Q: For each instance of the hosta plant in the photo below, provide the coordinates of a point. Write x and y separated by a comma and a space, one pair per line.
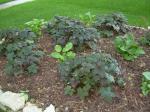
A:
146, 83
87, 18
64, 30
115, 23
85, 74
128, 47
36, 26
65, 53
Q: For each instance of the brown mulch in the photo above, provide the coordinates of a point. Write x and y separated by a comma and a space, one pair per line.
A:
46, 87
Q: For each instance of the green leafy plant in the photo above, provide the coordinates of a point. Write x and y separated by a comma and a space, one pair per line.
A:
87, 18
88, 73
64, 30
128, 47
14, 36
110, 24
65, 53
21, 52
146, 83
36, 26
146, 39
69, 90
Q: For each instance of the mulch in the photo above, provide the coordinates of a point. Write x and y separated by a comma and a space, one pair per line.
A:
47, 88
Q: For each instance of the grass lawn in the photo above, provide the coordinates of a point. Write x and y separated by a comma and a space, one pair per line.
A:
4, 1
137, 11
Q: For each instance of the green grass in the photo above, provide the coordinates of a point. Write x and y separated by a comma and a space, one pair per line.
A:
137, 11
4, 1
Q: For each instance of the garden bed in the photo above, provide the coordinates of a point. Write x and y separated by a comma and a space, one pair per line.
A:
46, 87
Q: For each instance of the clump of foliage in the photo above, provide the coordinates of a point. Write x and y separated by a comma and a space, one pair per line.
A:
128, 47
146, 83
13, 36
110, 24
65, 53
146, 39
20, 50
87, 18
85, 74
64, 30
36, 26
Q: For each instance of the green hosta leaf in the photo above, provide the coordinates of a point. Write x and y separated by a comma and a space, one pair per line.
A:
57, 55
140, 51
146, 83
70, 54
128, 57
68, 47
107, 93
147, 75
69, 90
58, 48
145, 89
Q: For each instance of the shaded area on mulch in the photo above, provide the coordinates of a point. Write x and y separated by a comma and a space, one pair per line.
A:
46, 87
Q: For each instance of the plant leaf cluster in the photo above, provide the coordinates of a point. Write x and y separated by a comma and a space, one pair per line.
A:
86, 73
145, 40
111, 24
21, 52
146, 83
65, 53
36, 26
64, 30
87, 18
128, 47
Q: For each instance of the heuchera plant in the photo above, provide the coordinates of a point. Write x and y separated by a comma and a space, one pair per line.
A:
64, 30
21, 51
111, 24
84, 74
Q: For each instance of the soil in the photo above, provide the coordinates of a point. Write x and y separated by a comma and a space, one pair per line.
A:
47, 88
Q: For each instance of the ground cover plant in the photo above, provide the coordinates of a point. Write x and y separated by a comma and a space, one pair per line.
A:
21, 52
146, 83
111, 24
128, 47
64, 29
145, 40
136, 11
89, 72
